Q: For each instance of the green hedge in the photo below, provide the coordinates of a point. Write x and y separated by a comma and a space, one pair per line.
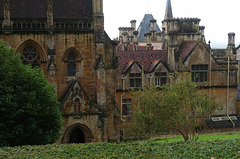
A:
195, 149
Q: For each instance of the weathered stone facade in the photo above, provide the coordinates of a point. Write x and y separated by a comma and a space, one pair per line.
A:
183, 43
67, 40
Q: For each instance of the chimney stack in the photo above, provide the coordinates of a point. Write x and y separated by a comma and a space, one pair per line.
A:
133, 24
231, 39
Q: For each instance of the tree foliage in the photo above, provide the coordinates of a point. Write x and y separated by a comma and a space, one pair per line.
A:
180, 106
29, 110
145, 115
183, 106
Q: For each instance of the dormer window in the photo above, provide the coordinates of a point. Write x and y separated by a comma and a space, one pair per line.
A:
135, 80
160, 79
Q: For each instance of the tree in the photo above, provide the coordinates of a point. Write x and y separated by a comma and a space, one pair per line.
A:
183, 106
145, 115
180, 106
29, 110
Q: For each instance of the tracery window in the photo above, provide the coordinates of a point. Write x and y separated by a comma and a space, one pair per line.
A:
71, 64
30, 56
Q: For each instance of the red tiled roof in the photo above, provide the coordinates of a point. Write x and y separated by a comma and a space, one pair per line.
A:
146, 58
185, 48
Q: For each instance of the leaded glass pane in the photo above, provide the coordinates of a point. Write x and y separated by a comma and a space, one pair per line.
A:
71, 69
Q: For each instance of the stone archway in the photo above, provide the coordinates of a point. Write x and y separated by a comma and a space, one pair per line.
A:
78, 133
77, 136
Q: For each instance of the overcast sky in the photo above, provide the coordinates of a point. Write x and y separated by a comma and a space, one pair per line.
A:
218, 16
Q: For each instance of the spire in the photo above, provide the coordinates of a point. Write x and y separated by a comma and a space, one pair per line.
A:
168, 12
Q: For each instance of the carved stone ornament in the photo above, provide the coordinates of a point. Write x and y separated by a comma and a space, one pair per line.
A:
52, 68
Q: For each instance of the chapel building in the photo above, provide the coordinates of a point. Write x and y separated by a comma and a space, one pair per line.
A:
66, 39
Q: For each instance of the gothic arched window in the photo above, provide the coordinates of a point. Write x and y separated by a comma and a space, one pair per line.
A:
30, 56
72, 59
71, 68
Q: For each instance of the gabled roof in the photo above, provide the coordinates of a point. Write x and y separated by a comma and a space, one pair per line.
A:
144, 26
185, 49
70, 89
155, 63
145, 58
62, 9
168, 12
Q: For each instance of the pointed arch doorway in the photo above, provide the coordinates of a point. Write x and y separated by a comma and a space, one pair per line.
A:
77, 136
78, 133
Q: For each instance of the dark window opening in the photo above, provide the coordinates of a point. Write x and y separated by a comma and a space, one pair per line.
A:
199, 73
33, 25
89, 25
24, 25
14, 25
38, 25
160, 79
28, 25
80, 25
19, 25
57, 25
62, 25
71, 25
75, 25
43, 25
0, 25
126, 104
66, 25
84, 25
135, 80
71, 64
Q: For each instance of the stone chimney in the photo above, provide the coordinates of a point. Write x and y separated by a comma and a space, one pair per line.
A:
231, 50
125, 40
135, 40
201, 30
231, 40
153, 25
148, 37
133, 24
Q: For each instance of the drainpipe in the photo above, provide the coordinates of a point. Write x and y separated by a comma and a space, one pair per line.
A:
123, 81
210, 74
143, 82
228, 80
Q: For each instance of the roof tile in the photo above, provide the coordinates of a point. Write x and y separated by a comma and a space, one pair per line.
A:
145, 58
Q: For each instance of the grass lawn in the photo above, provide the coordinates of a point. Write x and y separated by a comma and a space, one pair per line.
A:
204, 137
209, 146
